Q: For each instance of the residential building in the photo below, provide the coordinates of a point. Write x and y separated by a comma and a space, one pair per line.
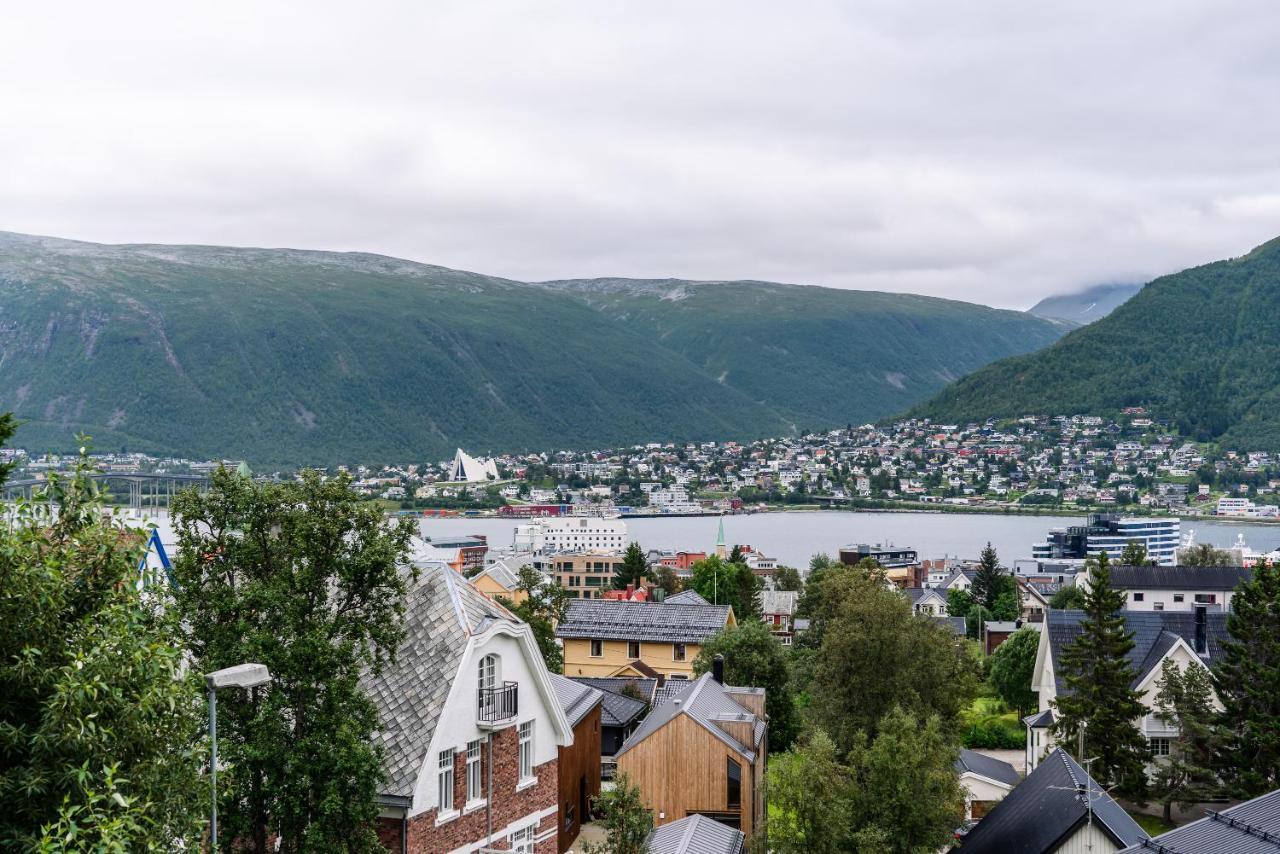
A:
625, 702
985, 780
1189, 639
471, 727
579, 763
696, 834
1252, 827
889, 557
502, 578
1058, 808
1177, 588
604, 638
673, 500
465, 554
585, 574
1110, 533
777, 610
703, 751
927, 601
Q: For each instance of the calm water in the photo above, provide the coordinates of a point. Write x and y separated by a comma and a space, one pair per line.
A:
793, 537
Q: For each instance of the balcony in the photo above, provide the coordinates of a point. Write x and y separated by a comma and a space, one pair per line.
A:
498, 707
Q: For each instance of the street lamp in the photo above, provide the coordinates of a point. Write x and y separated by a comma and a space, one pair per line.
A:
240, 676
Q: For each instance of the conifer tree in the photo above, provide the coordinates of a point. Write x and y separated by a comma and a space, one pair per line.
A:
634, 568
1097, 696
987, 586
1186, 775
1248, 682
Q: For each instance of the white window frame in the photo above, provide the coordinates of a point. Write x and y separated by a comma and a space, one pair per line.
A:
522, 840
524, 734
444, 782
475, 769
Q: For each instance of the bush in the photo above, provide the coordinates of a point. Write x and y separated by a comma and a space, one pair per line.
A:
992, 736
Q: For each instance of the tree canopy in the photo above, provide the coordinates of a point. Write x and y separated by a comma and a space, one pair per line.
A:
542, 605
723, 582
753, 657
1011, 669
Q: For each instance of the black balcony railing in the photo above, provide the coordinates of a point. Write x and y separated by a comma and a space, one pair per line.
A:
499, 704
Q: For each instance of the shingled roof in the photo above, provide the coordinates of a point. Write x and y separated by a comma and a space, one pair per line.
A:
1045, 809
1154, 634
1178, 577
618, 709
1252, 827
695, 834
664, 622
576, 698
687, 597
704, 700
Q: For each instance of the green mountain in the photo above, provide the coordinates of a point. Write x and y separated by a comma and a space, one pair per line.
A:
286, 356
1198, 347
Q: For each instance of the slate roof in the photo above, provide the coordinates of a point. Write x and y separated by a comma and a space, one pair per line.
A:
987, 766
1252, 827
616, 708
1046, 808
1178, 577
956, 624
641, 621
704, 700
505, 571
441, 612
915, 594
1154, 633
687, 597
778, 601
695, 834
575, 698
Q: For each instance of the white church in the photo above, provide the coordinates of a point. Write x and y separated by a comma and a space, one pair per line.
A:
468, 469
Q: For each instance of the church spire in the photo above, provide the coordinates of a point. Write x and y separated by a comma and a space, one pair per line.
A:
721, 550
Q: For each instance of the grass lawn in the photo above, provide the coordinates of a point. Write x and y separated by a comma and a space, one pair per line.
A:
988, 723
1154, 825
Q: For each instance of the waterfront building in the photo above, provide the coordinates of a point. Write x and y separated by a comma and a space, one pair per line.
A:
1178, 588
585, 575
1110, 533
890, 557
571, 534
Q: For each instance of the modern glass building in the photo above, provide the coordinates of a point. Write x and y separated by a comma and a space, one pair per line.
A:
1110, 533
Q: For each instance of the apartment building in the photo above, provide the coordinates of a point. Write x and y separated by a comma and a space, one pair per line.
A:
585, 575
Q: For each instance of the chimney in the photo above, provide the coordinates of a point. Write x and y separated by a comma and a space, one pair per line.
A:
717, 668
631, 589
1202, 630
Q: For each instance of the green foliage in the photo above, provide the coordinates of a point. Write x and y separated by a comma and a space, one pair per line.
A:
986, 585
810, 794
666, 578
634, 568
626, 820
1204, 554
788, 578
959, 602
319, 358
1135, 554
542, 607
1097, 677
1011, 667
101, 725
723, 583
307, 579
7, 426
1185, 699
1217, 376
1248, 682
753, 657
1067, 598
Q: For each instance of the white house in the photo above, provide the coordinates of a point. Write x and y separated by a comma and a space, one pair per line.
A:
985, 781
1177, 588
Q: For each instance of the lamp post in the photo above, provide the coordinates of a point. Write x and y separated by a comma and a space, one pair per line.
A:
240, 676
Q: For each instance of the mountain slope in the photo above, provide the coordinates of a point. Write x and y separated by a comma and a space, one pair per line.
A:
1084, 306
287, 356
1198, 347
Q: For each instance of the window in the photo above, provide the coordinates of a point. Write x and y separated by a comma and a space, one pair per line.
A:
1158, 746
678, 676
489, 672
1138, 597
522, 840
526, 750
735, 785
475, 782
1157, 606
445, 778
677, 652
633, 650
597, 649
1178, 597
1206, 598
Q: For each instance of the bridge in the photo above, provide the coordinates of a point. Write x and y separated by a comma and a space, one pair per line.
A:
155, 487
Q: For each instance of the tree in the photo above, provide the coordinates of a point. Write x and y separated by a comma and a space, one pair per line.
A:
810, 799
542, 606
959, 602
1248, 682
1135, 554
101, 722
665, 577
1204, 554
1008, 605
1097, 694
876, 655
1185, 700
725, 583
626, 820
787, 578
1069, 597
633, 570
307, 579
986, 587
7, 426
1011, 667
753, 657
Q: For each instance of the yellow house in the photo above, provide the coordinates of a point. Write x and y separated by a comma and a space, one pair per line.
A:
603, 637
500, 579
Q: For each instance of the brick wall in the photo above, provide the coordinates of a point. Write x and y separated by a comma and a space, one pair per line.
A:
506, 803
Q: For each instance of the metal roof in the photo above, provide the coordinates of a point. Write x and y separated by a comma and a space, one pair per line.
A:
665, 622
617, 709
1178, 577
575, 698
704, 700
687, 597
695, 834
987, 766
1252, 827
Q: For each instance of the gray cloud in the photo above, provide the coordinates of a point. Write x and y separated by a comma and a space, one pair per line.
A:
993, 152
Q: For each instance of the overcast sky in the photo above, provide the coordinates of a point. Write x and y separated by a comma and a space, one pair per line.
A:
993, 152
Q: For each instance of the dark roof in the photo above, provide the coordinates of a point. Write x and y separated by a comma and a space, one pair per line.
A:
1252, 827
575, 698
987, 766
915, 594
695, 834
1045, 809
1178, 577
1154, 633
617, 709
642, 621
956, 624
687, 597
705, 701
1039, 719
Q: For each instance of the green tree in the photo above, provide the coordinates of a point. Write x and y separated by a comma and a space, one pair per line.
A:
753, 657
542, 606
787, 578
986, 587
1204, 554
101, 723
810, 799
725, 583
876, 655
1011, 666
1008, 605
1248, 683
1097, 678
1069, 597
1135, 554
959, 602
7, 426
665, 577
1186, 776
626, 820
634, 568
307, 579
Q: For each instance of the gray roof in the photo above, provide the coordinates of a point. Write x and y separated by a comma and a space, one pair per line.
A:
1178, 577
695, 834
1154, 633
956, 624
778, 601
441, 612
687, 597
987, 766
617, 709
704, 700
665, 622
506, 571
1047, 808
1252, 827
575, 698
915, 594
1040, 719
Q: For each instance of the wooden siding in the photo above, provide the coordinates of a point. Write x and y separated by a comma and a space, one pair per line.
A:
578, 660
578, 762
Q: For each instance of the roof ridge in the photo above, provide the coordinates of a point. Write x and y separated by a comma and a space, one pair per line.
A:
687, 838
455, 596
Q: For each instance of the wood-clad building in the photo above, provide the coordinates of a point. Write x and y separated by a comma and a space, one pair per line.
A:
579, 766
702, 752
